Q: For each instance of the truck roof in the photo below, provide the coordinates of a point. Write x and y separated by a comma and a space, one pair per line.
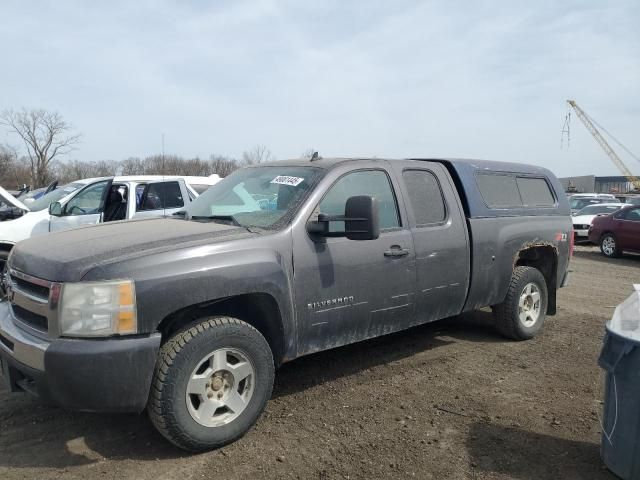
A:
464, 172
459, 164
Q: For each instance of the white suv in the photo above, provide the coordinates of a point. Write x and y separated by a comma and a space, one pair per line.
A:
95, 200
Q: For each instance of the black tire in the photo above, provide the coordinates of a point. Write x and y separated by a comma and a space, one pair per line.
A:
507, 314
178, 358
609, 245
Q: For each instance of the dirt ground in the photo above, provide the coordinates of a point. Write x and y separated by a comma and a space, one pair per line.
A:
449, 400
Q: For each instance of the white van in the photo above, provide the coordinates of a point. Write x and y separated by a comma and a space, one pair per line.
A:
95, 200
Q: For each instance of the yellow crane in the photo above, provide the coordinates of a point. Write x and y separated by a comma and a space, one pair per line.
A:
584, 118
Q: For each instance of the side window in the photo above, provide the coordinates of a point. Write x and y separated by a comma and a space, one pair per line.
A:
535, 192
161, 195
425, 197
504, 191
499, 191
366, 182
633, 215
88, 201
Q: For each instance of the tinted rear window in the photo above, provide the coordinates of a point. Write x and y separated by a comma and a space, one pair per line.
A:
499, 191
162, 195
505, 191
535, 192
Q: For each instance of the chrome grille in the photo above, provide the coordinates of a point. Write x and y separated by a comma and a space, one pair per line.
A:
29, 299
39, 322
29, 287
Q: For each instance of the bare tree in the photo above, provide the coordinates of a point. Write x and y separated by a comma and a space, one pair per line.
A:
73, 170
46, 135
104, 168
257, 154
223, 166
14, 171
132, 166
176, 165
78, 169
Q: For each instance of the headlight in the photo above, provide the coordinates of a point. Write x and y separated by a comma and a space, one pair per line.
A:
98, 309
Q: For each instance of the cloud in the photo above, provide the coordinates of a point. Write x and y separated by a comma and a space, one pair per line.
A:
487, 79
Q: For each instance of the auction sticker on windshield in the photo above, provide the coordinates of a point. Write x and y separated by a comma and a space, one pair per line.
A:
287, 180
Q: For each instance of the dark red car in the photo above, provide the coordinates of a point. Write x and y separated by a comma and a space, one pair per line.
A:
617, 232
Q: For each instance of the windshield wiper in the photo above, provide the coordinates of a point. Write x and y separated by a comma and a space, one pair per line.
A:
228, 218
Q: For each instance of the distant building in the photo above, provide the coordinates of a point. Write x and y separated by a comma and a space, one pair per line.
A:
593, 184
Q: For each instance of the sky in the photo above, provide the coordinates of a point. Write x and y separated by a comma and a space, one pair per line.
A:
483, 79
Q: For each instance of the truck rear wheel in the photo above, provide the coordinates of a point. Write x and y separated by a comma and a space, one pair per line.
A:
523, 311
211, 383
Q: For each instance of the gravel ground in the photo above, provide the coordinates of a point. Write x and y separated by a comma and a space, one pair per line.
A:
447, 400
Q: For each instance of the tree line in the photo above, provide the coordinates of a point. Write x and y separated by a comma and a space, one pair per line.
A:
45, 138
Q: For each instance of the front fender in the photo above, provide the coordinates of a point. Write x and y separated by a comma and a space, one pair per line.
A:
171, 281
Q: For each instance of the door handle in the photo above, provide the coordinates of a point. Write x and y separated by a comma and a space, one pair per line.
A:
396, 251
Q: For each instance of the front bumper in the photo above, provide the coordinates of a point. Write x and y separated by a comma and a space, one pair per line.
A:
100, 375
582, 234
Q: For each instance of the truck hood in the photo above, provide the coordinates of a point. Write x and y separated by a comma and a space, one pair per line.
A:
68, 256
11, 200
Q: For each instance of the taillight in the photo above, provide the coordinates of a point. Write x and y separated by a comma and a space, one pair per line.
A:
572, 239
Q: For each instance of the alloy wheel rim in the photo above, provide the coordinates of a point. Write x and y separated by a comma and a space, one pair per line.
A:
529, 305
608, 245
220, 387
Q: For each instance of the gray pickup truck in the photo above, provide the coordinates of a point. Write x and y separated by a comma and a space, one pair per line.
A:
189, 316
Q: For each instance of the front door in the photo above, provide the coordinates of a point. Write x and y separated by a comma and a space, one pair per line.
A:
350, 290
85, 208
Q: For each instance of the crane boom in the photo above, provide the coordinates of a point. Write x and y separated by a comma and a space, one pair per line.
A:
584, 118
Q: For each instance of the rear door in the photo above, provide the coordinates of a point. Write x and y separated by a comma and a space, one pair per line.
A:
440, 237
161, 198
84, 208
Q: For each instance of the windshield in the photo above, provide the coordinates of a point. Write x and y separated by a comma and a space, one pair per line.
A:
596, 209
4, 205
54, 196
579, 203
264, 197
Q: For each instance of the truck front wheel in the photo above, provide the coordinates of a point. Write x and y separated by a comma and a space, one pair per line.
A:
211, 383
523, 311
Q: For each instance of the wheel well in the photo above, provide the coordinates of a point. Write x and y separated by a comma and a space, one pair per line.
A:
259, 310
545, 259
